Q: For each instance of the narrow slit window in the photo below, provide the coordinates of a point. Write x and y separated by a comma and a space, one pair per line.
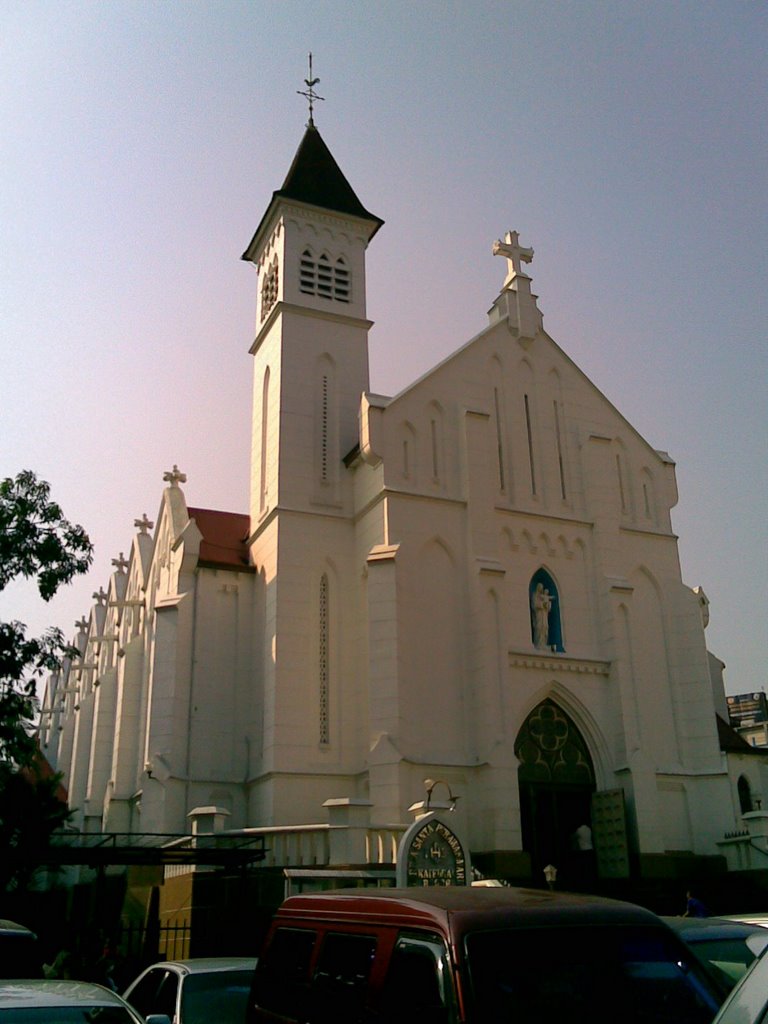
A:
264, 441
323, 661
530, 444
559, 442
622, 492
499, 443
435, 467
324, 432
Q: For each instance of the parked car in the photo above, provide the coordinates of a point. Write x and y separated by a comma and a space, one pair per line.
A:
19, 952
748, 1002
62, 1002
197, 991
761, 919
448, 954
721, 944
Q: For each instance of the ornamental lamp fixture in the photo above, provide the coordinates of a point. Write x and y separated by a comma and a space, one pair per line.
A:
430, 784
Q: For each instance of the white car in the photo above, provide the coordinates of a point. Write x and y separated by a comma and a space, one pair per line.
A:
195, 991
62, 1002
748, 1003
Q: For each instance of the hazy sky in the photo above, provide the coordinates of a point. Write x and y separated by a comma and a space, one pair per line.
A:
141, 142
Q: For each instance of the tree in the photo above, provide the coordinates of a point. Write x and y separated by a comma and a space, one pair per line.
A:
35, 541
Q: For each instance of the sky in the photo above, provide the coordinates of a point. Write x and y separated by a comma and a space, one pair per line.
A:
141, 142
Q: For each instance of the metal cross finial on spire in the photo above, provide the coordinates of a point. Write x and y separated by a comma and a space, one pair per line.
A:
100, 596
82, 625
310, 93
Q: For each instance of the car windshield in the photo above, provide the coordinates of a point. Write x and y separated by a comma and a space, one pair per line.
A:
219, 996
586, 975
66, 1015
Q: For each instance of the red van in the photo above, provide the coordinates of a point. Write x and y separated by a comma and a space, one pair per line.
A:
455, 954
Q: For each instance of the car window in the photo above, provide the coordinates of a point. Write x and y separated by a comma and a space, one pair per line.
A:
340, 982
417, 984
585, 975
155, 992
219, 996
281, 982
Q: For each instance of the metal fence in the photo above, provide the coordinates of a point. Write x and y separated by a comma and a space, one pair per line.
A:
139, 943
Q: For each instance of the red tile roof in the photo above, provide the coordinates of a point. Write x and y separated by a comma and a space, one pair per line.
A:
225, 535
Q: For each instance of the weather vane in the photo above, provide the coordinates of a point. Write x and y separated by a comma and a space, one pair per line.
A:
310, 93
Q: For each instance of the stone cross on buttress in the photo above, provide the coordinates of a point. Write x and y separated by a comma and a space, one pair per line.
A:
100, 596
174, 477
515, 253
120, 563
82, 625
143, 525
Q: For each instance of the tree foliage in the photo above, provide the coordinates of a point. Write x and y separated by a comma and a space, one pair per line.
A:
35, 541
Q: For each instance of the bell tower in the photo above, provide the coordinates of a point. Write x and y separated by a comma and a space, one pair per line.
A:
310, 359
311, 341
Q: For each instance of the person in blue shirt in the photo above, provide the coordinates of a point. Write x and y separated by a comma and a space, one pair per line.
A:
694, 907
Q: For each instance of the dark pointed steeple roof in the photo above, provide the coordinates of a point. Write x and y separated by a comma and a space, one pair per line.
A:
315, 178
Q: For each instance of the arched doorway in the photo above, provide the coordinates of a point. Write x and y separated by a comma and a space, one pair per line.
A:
556, 780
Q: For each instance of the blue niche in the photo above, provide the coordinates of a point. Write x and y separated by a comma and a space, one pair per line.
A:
544, 603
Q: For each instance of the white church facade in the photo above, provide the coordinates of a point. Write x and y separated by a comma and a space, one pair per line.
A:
474, 582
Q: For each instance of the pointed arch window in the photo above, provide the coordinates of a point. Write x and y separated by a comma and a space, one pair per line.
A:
745, 795
551, 749
546, 613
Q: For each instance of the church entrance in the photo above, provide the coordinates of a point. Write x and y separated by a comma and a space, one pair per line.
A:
556, 780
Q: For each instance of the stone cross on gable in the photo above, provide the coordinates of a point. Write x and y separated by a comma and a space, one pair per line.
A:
174, 476
515, 253
120, 563
82, 625
143, 525
100, 596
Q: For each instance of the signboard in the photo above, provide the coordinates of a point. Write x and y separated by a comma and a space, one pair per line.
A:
430, 853
747, 708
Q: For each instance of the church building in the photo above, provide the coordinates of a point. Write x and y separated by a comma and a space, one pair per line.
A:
472, 587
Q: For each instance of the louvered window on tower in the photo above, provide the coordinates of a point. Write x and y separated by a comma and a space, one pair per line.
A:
341, 281
307, 273
269, 289
323, 278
